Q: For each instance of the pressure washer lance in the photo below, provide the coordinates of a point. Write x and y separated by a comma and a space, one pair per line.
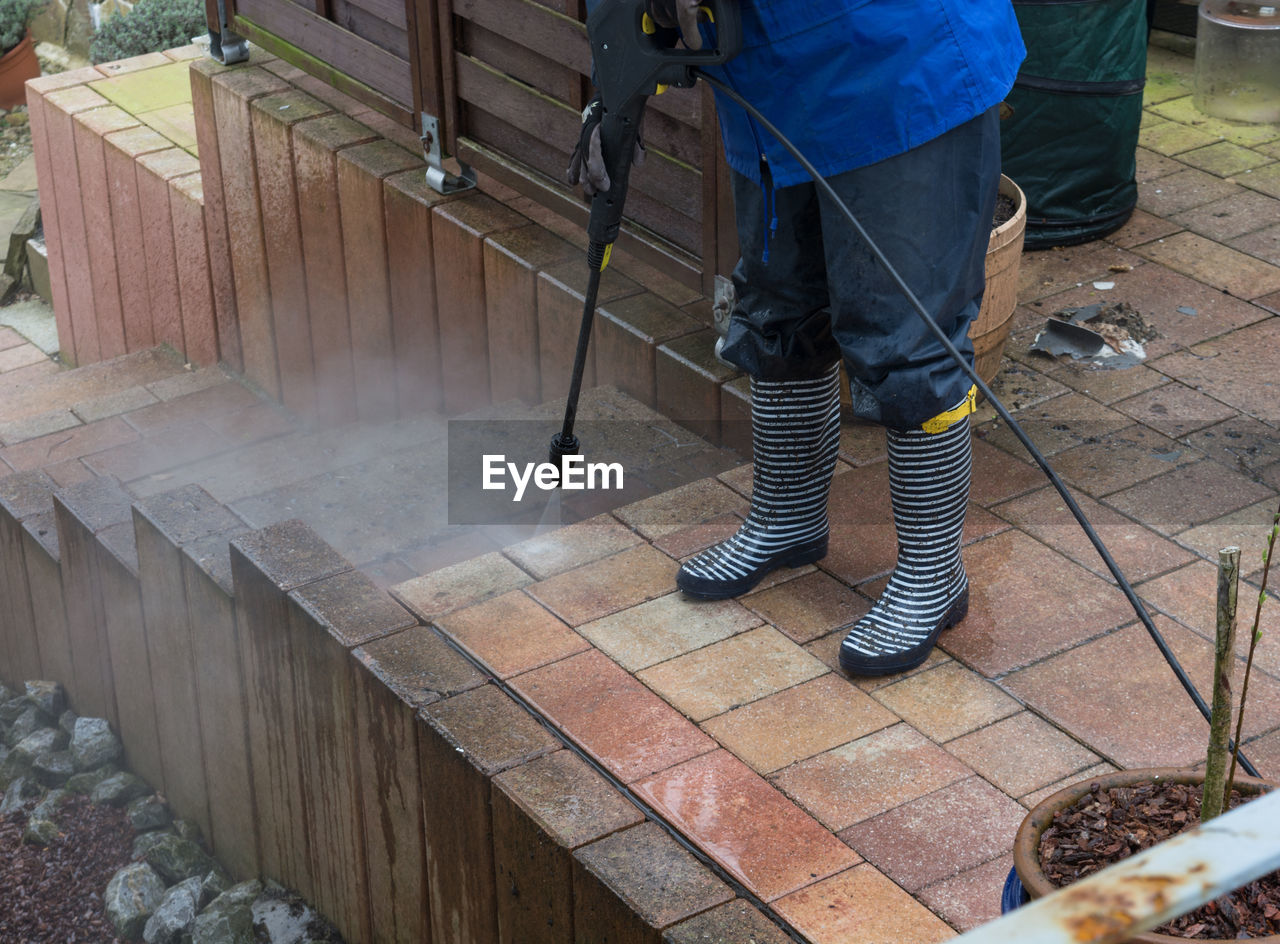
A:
632, 62
627, 65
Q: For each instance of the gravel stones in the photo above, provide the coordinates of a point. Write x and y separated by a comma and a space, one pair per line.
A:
54, 768
49, 697
133, 895
42, 827
59, 852
93, 744
175, 915
30, 720
86, 782
142, 844
18, 793
119, 789
40, 741
40, 832
283, 917
11, 707
187, 830
214, 884
47, 808
11, 768
149, 812
229, 917
176, 859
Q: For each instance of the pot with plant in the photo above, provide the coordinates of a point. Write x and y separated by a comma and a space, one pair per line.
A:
18, 60
1096, 822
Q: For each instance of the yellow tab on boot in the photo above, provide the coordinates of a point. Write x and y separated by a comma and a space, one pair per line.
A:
944, 421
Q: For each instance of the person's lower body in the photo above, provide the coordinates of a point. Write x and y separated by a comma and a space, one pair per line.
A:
810, 292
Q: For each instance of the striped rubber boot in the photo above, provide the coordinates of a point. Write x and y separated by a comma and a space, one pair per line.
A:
795, 434
928, 591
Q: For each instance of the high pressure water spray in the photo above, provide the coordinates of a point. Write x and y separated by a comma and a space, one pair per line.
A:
631, 61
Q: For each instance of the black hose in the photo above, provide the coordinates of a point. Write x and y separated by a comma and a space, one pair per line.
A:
959, 358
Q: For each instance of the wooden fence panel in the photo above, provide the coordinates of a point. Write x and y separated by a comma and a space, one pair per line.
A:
520, 78
507, 79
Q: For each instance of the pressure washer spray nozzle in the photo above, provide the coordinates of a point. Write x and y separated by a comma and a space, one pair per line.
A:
562, 446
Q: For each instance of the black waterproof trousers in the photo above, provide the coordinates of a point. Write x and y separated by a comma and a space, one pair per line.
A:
810, 292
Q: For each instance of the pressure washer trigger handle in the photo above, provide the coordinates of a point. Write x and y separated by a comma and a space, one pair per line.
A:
630, 55
618, 133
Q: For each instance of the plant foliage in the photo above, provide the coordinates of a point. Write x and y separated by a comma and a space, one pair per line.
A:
152, 26
14, 17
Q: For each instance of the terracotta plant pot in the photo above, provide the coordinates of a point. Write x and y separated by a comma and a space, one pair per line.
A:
17, 65
990, 330
1026, 845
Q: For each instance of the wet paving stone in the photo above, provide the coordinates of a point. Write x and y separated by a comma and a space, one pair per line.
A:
798, 723
452, 588
868, 776
1139, 552
861, 904
733, 672
1207, 491
607, 586
1118, 696
1041, 753
1030, 603
946, 702
669, 626
612, 716
511, 634
939, 835
757, 834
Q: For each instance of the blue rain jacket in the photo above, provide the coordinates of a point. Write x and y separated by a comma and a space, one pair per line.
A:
852, 82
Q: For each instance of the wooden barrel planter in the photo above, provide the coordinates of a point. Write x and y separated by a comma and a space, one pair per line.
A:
990, 330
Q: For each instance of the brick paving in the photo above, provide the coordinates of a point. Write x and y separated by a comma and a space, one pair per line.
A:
870, 810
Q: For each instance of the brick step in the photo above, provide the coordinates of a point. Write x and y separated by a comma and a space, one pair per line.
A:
377, 492
32, 385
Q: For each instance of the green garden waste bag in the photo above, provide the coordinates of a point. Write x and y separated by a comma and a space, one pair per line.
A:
1070, 143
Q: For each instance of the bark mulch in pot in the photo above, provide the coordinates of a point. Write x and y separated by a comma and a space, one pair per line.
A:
1108, 825
53, 894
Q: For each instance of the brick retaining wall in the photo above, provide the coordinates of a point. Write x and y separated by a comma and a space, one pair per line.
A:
323, 737
303, 248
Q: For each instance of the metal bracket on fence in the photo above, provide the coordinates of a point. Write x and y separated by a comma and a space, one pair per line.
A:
226, 46
1148, 889
441, 180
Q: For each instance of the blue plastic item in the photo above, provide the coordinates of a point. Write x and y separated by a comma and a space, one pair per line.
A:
1014, 895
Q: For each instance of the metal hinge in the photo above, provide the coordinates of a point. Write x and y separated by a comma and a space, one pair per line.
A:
225, 45
441, 180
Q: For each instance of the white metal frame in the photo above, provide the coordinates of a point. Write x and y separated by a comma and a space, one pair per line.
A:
1150, 888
